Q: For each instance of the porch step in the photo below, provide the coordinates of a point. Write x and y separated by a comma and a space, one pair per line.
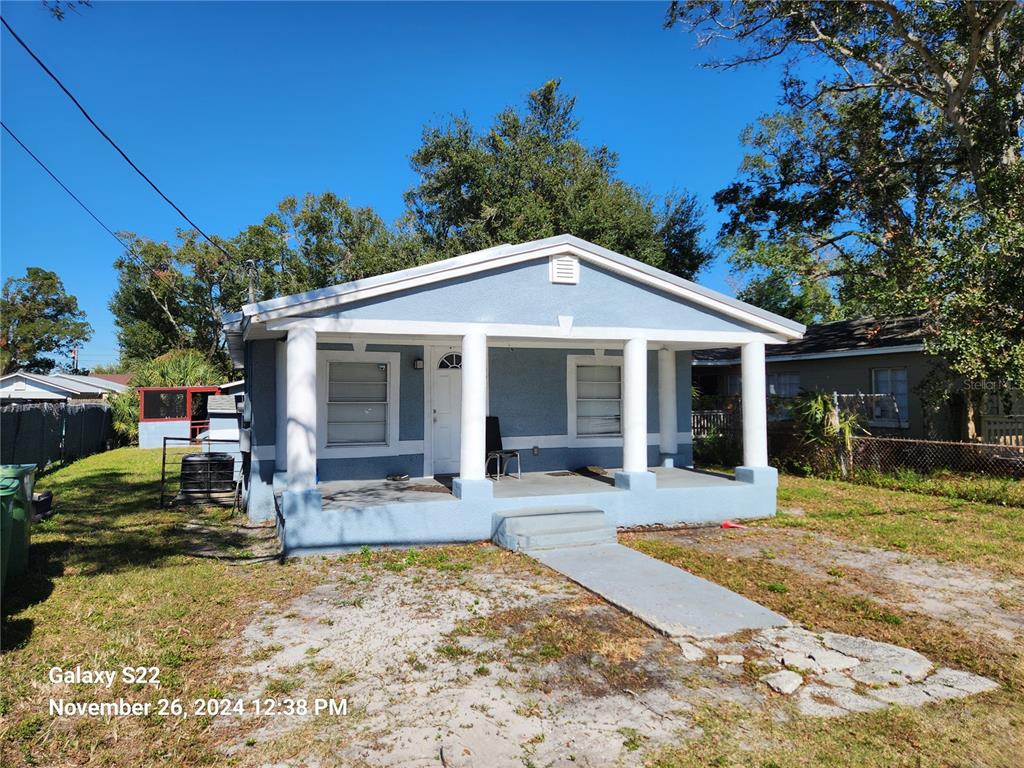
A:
539, 528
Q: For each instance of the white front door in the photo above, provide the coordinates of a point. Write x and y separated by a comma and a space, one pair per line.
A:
446, 393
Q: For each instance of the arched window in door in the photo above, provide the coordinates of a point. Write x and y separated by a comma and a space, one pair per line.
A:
451, 360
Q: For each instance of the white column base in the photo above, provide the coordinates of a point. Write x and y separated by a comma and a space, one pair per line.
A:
636, 481
472, 490
768, 476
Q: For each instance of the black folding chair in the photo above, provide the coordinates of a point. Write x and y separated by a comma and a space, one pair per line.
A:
497, 453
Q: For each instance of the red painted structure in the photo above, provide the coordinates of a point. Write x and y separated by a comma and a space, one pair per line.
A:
177, 404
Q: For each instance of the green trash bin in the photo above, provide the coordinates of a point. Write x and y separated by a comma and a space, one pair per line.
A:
8, 489
21, 515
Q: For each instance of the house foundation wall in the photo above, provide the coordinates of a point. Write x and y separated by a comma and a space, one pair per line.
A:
308, 530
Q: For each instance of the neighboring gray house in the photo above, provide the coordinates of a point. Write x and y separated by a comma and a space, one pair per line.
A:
584, 355
880, 361
24, 387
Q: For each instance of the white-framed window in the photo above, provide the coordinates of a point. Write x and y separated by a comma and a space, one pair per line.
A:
594, 397
783, 384
359, 402
894, 409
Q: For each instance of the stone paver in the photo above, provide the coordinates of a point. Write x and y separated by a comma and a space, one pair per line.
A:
904, 695
783, 681
837, 680
730, 658
690, 651
964, 681
834, 664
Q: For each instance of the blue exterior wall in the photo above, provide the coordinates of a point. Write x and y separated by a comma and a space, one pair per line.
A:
527, 393
259, 417
524, 294
152, 433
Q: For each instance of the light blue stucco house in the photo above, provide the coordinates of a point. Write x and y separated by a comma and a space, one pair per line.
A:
583, 354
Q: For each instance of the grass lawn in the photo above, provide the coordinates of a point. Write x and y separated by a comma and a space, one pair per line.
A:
950, 528
116, 581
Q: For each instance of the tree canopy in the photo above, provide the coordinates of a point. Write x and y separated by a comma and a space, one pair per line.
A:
39, 321
526, 177
892, 173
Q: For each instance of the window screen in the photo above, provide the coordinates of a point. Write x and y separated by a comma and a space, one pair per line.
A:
357, 403
598, 400
164, 404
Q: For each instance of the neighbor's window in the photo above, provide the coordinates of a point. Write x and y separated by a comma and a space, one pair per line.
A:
783, 384
893, 382
598, 400
357, 403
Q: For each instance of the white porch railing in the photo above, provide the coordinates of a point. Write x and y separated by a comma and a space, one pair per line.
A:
1003, 430
706, 423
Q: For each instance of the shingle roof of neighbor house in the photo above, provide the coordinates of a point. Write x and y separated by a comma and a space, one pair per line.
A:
117, 378
866, 335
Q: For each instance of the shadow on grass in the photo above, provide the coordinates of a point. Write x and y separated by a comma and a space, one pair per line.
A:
46, 563
108, 522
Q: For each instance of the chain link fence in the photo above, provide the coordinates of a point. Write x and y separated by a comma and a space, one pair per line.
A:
887, 454
722, 445
46, 433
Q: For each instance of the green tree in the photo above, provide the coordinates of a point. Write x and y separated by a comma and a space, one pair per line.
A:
893, 177
38, 320
806, 303
176, 296
167, 297
528, 176
175, 368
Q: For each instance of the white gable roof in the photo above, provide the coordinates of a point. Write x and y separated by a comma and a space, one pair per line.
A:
505, 255
23, 385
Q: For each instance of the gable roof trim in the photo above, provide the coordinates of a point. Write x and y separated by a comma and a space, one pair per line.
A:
782, 358
507, 255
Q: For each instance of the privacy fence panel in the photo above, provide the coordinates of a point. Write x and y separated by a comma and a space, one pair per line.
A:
45, 433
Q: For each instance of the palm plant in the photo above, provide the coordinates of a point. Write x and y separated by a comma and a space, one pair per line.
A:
825, 432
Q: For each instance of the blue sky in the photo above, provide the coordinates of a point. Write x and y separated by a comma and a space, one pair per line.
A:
229, 107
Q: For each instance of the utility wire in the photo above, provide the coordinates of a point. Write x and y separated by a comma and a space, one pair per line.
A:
64, 186
112, 143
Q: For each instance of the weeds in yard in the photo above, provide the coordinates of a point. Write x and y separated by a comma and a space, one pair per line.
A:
1002, 491
983, 535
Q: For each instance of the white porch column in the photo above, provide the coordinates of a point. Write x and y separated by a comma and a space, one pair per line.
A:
634, 406
301, 404
755, 407
473, 457
668, 427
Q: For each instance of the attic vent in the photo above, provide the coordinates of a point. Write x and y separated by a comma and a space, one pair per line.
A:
565, 269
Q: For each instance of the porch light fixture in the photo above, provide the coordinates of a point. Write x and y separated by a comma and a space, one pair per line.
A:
418, 363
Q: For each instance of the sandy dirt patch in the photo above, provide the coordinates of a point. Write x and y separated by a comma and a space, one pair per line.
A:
508, 663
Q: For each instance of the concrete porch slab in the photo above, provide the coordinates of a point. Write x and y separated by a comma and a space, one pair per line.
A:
665, 597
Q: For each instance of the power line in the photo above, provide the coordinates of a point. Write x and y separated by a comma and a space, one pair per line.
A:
112, 143
64, 186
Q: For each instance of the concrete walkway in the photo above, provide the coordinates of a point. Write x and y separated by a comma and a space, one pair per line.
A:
665, 597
